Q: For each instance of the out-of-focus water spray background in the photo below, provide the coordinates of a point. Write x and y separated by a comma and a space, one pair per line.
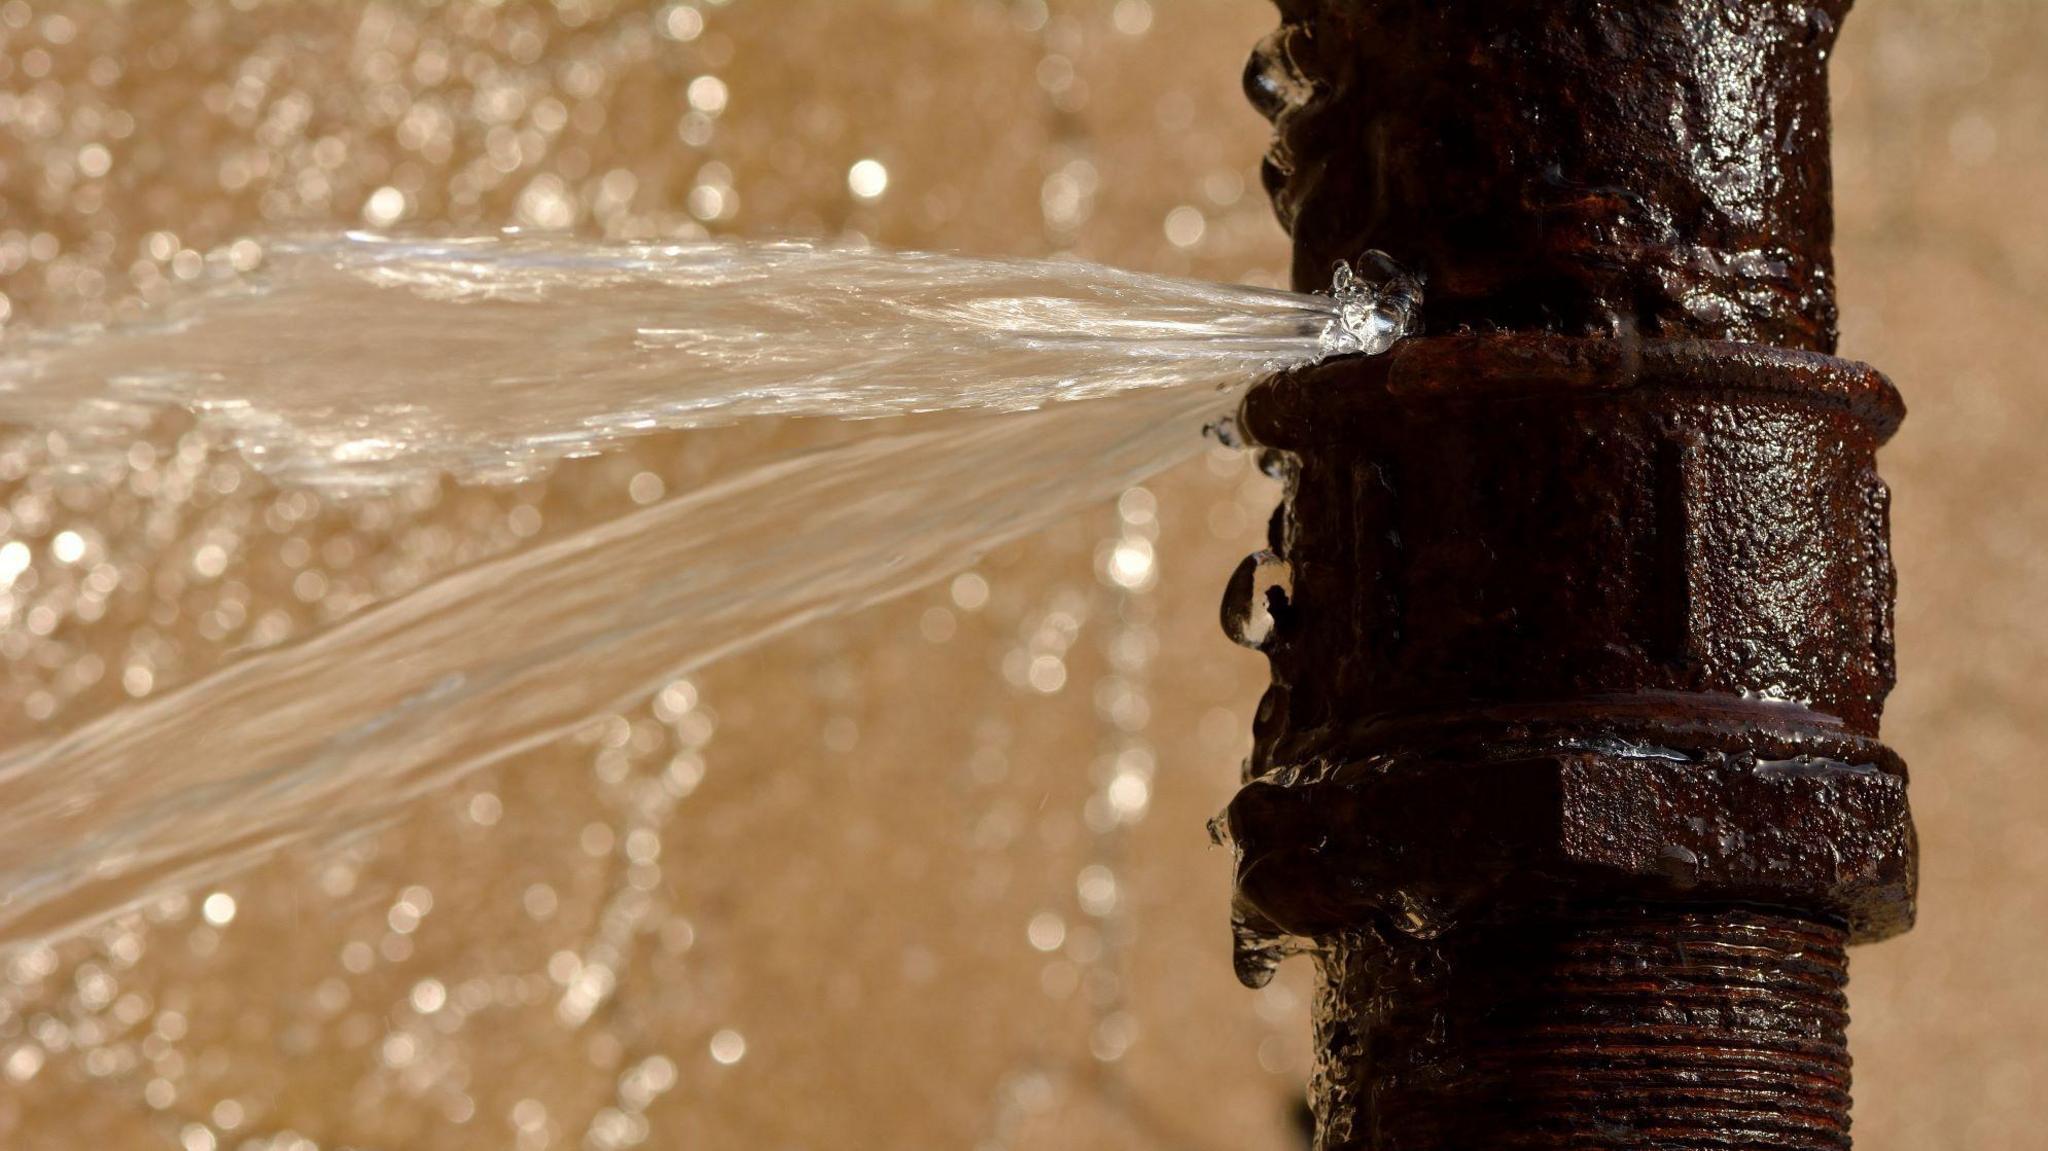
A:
935, 874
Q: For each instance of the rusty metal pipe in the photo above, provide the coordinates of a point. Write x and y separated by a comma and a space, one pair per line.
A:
1570, 766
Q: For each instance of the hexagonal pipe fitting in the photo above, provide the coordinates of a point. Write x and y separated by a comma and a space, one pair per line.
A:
1573, 625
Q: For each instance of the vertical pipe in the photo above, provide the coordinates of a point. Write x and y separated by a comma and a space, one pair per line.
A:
1570, 767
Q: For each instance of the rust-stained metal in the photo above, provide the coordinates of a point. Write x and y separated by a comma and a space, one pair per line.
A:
1581, 166
1570, 765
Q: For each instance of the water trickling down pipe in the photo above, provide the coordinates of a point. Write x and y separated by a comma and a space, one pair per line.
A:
1570, 765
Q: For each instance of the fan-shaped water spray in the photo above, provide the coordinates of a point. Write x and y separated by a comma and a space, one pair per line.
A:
359, 363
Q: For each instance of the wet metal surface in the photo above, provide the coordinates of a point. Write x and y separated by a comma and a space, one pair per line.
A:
1589, 167
1570, 765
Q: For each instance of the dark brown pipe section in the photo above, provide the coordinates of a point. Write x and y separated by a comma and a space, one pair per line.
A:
1570, 767
1639, 1027
1589, 167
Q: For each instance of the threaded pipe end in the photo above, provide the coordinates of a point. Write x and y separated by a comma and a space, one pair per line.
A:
1628, 1027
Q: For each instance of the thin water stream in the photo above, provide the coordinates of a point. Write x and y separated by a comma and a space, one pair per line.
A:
358, 363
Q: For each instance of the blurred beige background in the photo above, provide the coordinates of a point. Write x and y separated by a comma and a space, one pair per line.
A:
888, 882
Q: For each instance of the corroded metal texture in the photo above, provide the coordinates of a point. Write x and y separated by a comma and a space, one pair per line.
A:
1671, 178
1582, 623
1541, 518
1623, 1027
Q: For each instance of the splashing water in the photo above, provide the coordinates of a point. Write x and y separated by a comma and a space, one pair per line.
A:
364, 361
357, 363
